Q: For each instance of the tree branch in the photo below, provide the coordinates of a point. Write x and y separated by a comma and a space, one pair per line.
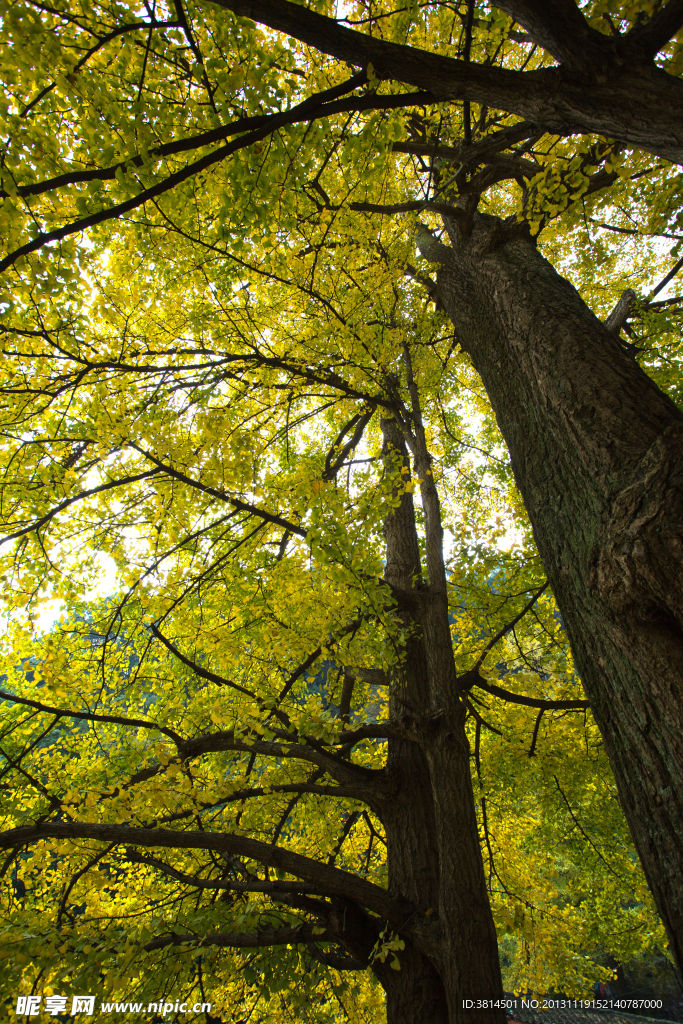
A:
202, 164
559, 27
584, 833
476, 153
253, 885
296, 115
332, 462
448, 78
287, 935
38, 523
412, 205
506, 629
672, 273
242, 506
203, 673
337, 963
617, 318
518, 698
545, 96
102, 41
396, 909
89, 716
656, 33
379, 730
336, 792
348, 825
362, 781
305, 665
76, 878
534, 738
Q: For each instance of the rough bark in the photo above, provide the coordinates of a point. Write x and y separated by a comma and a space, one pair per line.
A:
433, 851
596, 449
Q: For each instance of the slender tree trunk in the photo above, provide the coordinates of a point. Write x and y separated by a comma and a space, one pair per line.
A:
597, 453
433, 849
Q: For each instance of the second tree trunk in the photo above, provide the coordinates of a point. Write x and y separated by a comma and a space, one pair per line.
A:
597, 453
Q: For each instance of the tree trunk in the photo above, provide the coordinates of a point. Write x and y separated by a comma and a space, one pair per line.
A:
433, 849
596, 449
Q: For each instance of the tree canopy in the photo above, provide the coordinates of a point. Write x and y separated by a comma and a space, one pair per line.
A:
219, 337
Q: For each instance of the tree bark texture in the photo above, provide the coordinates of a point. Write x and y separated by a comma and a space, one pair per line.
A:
597, 453
433, 850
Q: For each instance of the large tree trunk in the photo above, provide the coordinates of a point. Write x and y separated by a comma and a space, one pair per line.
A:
434, 857
596, 449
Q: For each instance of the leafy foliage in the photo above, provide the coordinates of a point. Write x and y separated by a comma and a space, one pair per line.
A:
193, 380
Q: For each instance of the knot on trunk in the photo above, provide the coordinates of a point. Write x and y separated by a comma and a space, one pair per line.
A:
423, 729
644, 537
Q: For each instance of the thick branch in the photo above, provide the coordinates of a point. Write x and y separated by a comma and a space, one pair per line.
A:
448, 78
558, 26
373, 730
480, 151
408, 207
287, 935
362, 780
397, 910
656, 33
252, 885
356, 782
474, 679
617, 318
338, 963
640, 106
